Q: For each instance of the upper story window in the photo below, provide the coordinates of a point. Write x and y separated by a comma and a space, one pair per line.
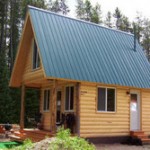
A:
46, 100
36, 58
69, 100
106, 99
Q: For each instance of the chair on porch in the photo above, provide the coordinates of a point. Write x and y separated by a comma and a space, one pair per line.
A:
39, 120
70, 121
2, 131
62, 122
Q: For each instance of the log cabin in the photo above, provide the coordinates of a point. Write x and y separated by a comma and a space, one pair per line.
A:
99, 75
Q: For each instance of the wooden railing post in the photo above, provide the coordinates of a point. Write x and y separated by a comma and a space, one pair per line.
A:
22, 107
53, 111
78, 109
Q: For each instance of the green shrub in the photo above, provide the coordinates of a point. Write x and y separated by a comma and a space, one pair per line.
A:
65, 142
26, 144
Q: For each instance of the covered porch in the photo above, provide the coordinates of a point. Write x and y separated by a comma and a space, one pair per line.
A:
59, 107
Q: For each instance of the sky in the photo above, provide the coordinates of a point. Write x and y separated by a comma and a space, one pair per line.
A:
128, 7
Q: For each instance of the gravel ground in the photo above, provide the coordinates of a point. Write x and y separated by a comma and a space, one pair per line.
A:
121, 147
43, 145
3, 138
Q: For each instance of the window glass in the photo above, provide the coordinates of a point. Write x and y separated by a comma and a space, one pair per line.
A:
36, 58
110, 99
101, 98
69, 98
46, 100
106, 99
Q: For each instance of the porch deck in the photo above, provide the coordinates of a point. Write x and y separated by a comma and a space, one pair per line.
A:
34, 134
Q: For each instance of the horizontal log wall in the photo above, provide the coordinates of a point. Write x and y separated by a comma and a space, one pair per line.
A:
60, 87
94, 124
146, 112
30, 74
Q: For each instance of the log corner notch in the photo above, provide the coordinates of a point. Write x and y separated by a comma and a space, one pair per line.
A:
53, 108
22, 112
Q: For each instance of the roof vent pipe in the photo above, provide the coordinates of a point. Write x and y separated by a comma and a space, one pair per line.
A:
134, 28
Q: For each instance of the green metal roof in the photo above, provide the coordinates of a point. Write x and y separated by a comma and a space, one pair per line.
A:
83, 51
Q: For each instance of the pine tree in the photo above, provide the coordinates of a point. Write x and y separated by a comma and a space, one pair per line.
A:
87, 8
146, 37
86, 11
63, 7
59, 6
36, 3
108, 21
5, 99
14, 29
80, 11
96, 14
55, 6
125, 24
118, 16
138, 23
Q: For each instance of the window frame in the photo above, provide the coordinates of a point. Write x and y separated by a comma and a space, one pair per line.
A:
47, 108
115, 100
37, 64
69, 110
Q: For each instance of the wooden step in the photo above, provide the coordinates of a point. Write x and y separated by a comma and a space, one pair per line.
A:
20, 134
16, 138
141, 136
34, 135
135, 133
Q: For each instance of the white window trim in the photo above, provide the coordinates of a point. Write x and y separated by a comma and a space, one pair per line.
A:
47, 110
102, 111
70, 110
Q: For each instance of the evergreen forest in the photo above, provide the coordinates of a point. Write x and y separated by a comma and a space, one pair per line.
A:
12, 16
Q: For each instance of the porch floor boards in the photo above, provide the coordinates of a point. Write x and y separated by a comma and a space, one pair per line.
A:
34, 134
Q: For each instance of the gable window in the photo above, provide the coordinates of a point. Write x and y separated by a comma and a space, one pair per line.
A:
46, 100
106, 99
69, 100
36, 58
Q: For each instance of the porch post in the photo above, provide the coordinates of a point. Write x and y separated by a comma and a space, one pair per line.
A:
22, 107
78, 109
53, 111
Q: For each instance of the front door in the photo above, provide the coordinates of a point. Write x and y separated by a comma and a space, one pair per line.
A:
134, 111
58, 105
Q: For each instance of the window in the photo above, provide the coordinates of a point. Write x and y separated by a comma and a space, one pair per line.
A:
46, 100
106, 99
69, 98
36, 58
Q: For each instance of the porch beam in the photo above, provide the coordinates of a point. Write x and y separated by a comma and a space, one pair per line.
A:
78, 109
22, 112
53, 108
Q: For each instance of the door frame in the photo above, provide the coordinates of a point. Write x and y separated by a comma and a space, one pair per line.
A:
139, 107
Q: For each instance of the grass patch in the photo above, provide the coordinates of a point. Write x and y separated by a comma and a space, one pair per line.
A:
8, 145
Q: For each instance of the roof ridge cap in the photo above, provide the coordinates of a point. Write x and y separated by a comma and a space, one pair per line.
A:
91, 23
